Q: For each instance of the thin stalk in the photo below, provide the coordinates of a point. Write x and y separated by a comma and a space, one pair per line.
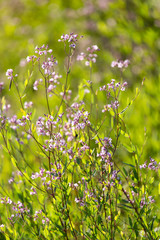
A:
66, 82
46, 93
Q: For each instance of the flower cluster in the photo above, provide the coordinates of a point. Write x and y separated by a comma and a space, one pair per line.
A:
80, 119
120, 64
112, 105
19, 210
113, 88
105, 154
36, 83
153, 165
66, 95
45, 124
10, 77
47, 178
113, 85
28, 104
6, 107
90, 56
145, 201
84, 192
53, 81
9, 74
47, 64
14, 174
39, 51
38, 215
69, 38
15, 123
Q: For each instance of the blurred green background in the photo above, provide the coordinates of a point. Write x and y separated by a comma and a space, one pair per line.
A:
123, 29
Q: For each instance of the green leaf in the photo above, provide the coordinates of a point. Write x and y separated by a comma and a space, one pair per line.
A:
81, 91
2, 236
128, 164
111, 112
124, 134
92, 98
78, 160
123, 206
135, 173
99, 219
124, 110
159, 188
14, 161
130, 221
137, 91
6, 150
154, 217
26, 82
125, 171
112, 122
128, 148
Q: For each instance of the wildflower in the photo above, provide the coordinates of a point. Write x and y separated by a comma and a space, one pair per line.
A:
114, 64
81, 57
143, 165
10, 180
9, 201
28, 59
6, 107
90, 56
95, 47
107, 108
36, 83
153, 165
120, 63
69, 38
43, 221
9, 74
33, 192
77, 200
47, 220
28, 105
123, 86
87, 63
50, 88
115, 104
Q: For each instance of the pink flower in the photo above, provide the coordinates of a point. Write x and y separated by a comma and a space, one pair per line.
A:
120, 63
50, 88
9, 72
114, 64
